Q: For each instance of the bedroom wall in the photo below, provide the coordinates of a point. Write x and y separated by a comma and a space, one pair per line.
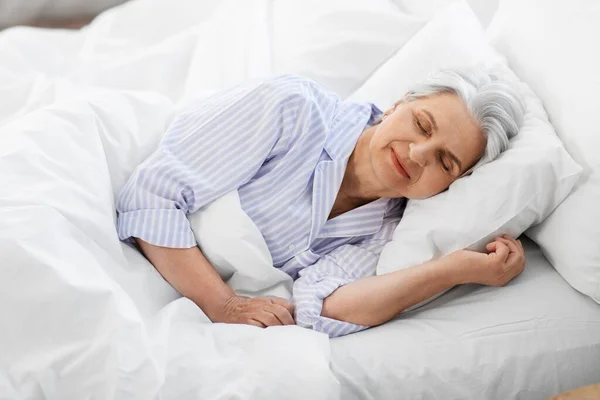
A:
15, 12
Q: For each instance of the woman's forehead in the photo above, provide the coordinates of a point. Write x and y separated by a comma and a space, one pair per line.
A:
448, 105
456, 127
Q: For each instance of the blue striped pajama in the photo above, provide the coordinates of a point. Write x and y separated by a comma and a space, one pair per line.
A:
283, 143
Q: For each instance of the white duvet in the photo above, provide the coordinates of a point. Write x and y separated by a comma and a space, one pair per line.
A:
85, 316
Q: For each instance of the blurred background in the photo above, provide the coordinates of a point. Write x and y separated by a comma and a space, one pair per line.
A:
73, 14
52, 13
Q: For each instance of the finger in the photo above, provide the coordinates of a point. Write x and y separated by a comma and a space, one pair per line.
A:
508, 237
513, 240
255, 322
260, 302
518, 243
502, 251
283, 302
270, 300
282, 314
491, 247
277, 300
521, 246
511, 243
514, 251
267, 318
522, 253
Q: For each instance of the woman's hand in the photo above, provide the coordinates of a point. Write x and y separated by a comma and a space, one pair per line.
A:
261, 311
505, 261
192, 275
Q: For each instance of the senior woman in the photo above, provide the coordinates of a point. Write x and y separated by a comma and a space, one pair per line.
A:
326, 182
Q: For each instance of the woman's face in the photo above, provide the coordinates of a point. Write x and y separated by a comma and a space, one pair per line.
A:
422, 146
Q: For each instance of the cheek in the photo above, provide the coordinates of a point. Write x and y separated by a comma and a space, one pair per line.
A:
381, 136
395, 128
432, 183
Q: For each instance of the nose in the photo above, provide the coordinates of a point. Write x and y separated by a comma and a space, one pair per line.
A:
421, 153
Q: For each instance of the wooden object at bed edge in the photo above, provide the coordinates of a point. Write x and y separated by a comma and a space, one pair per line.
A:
71, 23
591, 392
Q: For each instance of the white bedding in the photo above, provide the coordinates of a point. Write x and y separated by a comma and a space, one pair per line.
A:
85, 316
532, 339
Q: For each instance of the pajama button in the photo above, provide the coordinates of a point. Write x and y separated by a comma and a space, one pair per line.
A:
291, 247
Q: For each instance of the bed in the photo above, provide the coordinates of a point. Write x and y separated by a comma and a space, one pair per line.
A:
530, 340
86, 316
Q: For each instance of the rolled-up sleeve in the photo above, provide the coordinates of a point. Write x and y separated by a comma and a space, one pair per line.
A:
211, 148
338, 268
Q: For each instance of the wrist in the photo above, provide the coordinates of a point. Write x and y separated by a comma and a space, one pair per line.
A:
457, 266
216, 308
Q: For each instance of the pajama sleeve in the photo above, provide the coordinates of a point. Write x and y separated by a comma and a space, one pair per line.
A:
338, 268
213, 147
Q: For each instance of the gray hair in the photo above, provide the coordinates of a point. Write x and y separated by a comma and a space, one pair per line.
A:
493, 103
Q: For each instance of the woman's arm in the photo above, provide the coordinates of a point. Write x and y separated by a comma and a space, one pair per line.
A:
214, 146
192, 275
374, 300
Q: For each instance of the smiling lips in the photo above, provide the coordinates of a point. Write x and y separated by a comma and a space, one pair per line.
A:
399, 166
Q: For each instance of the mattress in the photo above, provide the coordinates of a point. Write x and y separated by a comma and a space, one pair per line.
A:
531, 339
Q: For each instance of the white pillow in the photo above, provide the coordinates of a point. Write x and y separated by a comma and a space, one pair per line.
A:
553, 46
454, 37
506, 196
338, 43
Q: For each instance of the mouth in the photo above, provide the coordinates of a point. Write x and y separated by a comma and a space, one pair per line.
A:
400, 167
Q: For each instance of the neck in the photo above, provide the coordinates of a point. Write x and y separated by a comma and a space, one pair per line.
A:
357, 186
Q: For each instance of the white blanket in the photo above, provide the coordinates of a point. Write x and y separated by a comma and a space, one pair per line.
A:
84, 315
88, 315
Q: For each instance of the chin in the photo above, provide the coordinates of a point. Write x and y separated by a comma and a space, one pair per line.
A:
422, 196
416, 197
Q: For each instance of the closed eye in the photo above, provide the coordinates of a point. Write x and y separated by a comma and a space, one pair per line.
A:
420, 126
450, 163
445, 167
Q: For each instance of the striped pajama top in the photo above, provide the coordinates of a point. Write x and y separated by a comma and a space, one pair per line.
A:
283, 143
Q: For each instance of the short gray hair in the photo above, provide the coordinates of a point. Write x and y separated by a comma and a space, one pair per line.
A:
493, 103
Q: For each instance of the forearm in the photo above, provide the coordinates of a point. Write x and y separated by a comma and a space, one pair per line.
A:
191, 274
377, 299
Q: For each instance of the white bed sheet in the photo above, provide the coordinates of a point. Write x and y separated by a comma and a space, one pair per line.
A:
529, 340
534, 338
